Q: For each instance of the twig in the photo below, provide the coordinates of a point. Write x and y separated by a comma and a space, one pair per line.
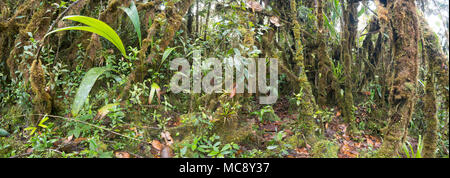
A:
365, 5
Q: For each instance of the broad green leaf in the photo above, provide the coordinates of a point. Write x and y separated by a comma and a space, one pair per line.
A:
133, 14
94, 26
85, 87
3, 133
226, 147
213, 153
193, 147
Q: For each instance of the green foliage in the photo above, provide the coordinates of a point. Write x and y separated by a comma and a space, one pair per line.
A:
262, 113
95, 26
228, 111
409, 150
203, 147
40, 125
86, 85
166, 54
97, 149
133, 14
277, 147
338, 71
3, 133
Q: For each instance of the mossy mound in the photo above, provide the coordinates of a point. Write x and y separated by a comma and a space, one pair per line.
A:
325, 149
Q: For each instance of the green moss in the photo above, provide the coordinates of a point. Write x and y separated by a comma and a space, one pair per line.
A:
296, 141
325, 149
233, 131
42, 100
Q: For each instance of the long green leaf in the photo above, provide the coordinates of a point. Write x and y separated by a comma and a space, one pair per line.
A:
405, 149
3, 133
133, 14
85, 87
166, 54
95, 26
88, 29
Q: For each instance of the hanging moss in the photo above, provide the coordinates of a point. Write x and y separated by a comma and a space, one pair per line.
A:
22, 37
41, 100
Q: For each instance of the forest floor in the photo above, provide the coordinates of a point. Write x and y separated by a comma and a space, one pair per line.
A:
334, 130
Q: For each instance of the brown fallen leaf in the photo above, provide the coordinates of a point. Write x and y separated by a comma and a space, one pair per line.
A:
347, 150
303, 151
78, 140
338, 114
275, 20
167, 138
122, 155
255, 6
29, 150
289, 132
369, 141
157, 145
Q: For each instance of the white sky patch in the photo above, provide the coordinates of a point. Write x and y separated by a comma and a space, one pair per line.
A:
435, 21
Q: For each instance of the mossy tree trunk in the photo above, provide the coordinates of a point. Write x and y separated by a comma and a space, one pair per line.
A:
327, 83
434, 57
307, 107
405, 38
349, 30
